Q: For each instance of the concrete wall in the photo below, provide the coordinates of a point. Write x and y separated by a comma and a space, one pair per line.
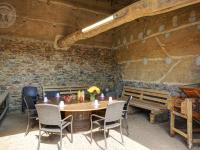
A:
25, 61
161, 50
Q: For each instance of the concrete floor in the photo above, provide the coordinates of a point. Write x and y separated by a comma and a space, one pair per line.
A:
143, 136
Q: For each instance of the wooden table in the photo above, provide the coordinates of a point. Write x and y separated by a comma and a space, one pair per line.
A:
81, 112
189, 109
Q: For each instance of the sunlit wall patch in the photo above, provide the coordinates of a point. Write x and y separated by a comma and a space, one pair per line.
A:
175, 21
197, 61
145, 61
168, 60
161, 28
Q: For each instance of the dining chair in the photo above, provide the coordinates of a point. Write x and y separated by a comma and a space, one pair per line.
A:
125, 112
29, 91
112, 119
31, 111
50, 121
51, 94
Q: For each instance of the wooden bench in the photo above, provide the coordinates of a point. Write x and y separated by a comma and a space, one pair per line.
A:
63, 90
149, 99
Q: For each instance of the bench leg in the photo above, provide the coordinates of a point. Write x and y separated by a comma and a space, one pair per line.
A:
152, 118
172, 123
189, 123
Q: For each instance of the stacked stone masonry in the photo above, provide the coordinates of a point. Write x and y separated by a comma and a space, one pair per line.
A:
24, 62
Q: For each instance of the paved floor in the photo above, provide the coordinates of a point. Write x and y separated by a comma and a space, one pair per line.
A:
143, 136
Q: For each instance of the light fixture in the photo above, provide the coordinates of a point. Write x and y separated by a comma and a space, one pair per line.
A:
97, 24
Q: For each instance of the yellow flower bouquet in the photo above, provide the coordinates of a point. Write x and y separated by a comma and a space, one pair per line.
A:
93, 90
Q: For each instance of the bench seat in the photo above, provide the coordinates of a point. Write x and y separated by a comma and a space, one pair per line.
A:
148, 105
154, 100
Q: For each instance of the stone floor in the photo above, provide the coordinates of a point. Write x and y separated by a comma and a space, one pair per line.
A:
143, 136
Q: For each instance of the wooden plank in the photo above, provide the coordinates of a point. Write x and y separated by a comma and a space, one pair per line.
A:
164, 96
132, 94
55, 87
159, 92
148, 105
132, 91
127, 88
180, 132
147, 90
65, 93
154, 104
189, 122
179, 114
50, 90
172, 122
154, 99
63, 89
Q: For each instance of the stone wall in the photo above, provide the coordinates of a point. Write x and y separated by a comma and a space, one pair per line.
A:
26, 61
162, 51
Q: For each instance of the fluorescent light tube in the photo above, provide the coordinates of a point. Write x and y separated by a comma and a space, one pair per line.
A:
95, 25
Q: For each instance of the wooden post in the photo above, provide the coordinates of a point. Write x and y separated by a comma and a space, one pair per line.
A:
172, 123
152, 118
189, 122
171, 104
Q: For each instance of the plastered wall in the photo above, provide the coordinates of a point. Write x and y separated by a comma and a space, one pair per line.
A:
163, 49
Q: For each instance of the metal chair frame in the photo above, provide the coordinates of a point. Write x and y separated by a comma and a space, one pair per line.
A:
114, 120
31, 112
61, 124
125, 113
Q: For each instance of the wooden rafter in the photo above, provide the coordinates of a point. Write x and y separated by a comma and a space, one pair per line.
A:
136, 10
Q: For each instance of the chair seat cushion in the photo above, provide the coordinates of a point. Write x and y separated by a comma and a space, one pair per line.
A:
55, 128
50, 128
109, 125
112, 125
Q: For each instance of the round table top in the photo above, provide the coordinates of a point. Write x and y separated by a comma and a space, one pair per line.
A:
78, 107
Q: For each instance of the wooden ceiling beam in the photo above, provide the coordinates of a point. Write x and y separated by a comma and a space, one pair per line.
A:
134, 11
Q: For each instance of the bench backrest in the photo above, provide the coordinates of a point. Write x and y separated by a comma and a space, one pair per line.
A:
146, 94
63, 90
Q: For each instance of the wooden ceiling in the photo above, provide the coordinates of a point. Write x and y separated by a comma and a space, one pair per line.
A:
44, 19
96, 6
130, 13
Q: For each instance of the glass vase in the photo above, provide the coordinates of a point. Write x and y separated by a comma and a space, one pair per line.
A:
92, 97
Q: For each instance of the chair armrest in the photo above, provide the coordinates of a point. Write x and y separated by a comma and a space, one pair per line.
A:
38, 97
70, 116
100, 118
94, 115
